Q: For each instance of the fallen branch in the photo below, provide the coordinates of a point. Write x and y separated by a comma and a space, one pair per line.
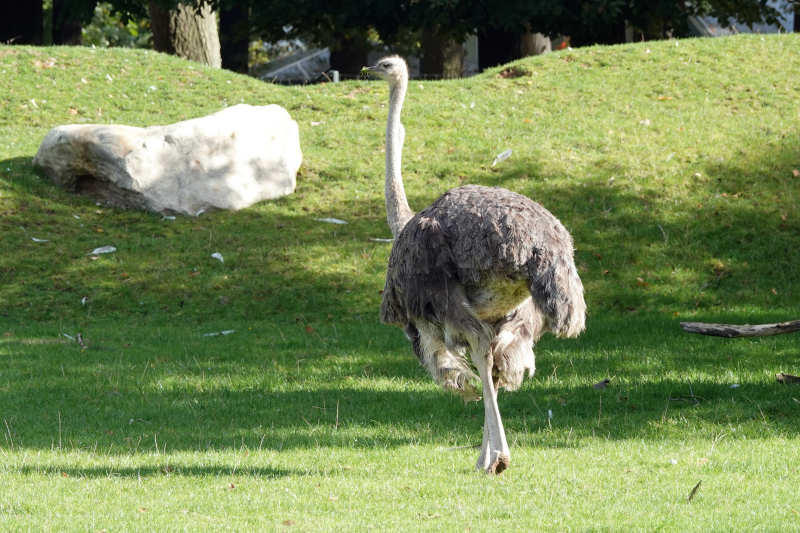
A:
746, 330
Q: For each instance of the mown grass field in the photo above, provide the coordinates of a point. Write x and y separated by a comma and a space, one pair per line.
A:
674, 165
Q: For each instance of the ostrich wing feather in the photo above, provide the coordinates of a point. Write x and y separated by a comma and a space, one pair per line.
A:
480, 237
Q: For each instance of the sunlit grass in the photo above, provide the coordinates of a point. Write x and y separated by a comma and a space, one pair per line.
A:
672, 164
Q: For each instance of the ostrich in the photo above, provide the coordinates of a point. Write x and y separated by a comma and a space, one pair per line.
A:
482, 271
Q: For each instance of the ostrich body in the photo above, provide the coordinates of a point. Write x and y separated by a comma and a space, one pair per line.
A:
482, 272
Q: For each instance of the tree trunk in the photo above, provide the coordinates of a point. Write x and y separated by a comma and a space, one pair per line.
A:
496, 47
349, 53
534, 44
234, 36
67, 22
22, 22
441, 55
797, 16
159, 24
186, 33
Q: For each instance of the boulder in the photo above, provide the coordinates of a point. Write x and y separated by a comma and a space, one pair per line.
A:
228, 160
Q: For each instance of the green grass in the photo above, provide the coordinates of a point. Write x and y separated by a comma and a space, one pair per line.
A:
312, 416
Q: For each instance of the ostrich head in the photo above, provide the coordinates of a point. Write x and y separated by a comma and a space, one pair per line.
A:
390, 68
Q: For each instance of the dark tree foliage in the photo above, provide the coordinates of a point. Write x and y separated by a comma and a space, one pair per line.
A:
500, 24
343, 24
604, 21
139, 8
21, 23
346, 26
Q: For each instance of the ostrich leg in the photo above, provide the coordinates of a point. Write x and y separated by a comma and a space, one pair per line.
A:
495, 456
483, 458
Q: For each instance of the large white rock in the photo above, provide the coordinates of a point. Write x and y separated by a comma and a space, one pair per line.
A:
228, 160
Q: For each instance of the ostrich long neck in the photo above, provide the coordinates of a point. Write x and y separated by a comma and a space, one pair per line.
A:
397, 210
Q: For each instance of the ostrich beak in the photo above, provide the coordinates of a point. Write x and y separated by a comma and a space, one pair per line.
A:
369, 72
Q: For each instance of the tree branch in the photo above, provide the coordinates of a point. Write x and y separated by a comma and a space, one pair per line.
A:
746, 330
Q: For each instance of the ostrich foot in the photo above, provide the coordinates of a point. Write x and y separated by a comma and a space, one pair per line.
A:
493, 462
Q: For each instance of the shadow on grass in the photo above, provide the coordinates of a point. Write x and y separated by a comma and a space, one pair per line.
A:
165, 266
167, 468
737, 238
227, 397
644, 266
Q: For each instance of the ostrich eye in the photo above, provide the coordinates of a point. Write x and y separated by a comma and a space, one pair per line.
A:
385, 65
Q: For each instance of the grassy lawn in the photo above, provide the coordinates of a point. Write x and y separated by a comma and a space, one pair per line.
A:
675, 165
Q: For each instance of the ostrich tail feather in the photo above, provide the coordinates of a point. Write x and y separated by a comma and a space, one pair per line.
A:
559, 296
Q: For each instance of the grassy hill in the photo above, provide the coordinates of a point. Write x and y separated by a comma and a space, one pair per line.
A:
675, 165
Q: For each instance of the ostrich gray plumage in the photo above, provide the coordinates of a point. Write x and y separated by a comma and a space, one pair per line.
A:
482, 271
478, 257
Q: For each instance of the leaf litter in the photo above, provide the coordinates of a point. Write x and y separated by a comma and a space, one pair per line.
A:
331, 220
103, 250
502, 156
